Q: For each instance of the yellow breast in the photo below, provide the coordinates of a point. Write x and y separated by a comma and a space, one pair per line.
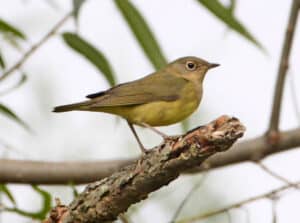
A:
162, 113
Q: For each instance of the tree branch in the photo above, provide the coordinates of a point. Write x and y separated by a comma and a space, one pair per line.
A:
104, 200
186, 199
269, 194
35, 47
294, 97
254, 150
40, 172
283, 66
276, 175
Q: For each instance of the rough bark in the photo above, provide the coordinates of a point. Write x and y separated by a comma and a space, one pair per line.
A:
104, 200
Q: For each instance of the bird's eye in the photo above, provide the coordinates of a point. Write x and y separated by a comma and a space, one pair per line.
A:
190, 65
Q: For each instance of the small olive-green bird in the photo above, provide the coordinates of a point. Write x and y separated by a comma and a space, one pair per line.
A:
162, 98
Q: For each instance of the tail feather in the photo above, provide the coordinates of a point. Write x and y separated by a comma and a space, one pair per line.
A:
70, 107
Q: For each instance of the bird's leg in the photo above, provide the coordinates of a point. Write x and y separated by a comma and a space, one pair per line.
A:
165, 137
137, 138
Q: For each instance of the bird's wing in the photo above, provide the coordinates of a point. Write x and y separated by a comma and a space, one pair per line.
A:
155, 87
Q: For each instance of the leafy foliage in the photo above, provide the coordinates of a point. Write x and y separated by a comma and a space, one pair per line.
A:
142, 33
10, 114
2, 63
226, 16
8, 28
146, 40
4, 189
76, 8
41, 214
97, 58
232, 6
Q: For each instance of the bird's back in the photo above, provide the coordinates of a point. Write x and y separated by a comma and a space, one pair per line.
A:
157, 99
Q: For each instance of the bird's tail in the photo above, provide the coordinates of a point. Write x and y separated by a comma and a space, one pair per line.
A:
71, 107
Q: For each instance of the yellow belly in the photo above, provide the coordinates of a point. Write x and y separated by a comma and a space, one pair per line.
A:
160, 113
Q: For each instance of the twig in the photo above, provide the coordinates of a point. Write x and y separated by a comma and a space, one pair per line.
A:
277, 176
103, 201
79, 172
283, 66
238, 204
35, 47
187, 197
294, 98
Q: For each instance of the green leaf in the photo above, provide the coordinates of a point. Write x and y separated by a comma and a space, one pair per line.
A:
2, 63
41, 214
46, 201
76, 8
142, 33
232, 6
10, 114
84, 48
7, 28
226, 15
10, 39
20, 82
4, 189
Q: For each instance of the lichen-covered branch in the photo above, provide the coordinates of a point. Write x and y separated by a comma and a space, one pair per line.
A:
104, 200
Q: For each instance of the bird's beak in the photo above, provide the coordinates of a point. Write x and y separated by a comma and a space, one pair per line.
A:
213, 65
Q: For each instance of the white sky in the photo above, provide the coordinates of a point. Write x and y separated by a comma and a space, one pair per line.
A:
242, 86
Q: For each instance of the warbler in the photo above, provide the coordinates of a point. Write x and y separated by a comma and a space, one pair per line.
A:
162, 98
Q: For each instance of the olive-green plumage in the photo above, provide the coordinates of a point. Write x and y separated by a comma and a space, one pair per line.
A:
162, 98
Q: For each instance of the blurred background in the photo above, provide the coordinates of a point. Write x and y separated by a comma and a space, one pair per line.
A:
56, 74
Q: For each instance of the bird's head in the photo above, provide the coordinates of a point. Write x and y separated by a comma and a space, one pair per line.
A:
191, 68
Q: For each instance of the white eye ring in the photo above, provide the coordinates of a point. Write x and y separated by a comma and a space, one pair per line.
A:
190, 65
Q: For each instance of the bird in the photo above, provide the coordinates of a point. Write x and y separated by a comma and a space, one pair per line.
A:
162, 98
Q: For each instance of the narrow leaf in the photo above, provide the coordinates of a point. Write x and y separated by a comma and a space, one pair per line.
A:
10, 39
76, 8
142, 33
7, 28
84, 48
4, 189
232, 6
226, 16
41, 214
20, 82
10, 114
2, 63
46, 201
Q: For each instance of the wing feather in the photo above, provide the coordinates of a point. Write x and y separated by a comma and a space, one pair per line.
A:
155, 87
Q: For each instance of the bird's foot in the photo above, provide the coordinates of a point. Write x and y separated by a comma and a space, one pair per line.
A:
163, 135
